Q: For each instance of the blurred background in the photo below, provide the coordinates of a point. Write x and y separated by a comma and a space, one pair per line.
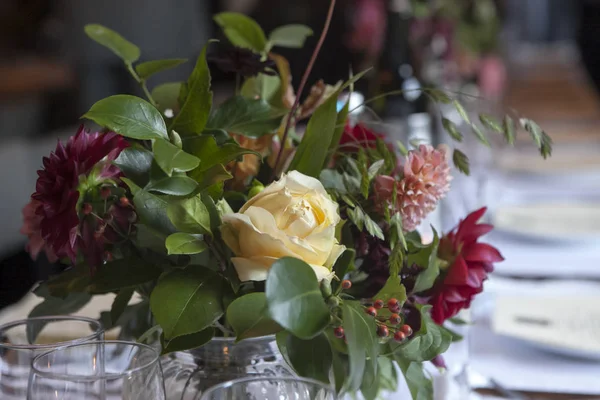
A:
538, 57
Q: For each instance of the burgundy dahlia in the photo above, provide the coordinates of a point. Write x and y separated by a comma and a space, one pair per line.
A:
68, 172
470, 263
358, 136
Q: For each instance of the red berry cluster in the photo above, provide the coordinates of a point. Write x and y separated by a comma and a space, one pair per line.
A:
392, 323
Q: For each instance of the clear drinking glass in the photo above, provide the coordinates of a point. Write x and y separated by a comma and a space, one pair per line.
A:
98, 370
21, 341
271, 388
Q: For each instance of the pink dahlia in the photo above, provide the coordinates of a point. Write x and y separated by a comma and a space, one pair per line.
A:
470, 263
425, 182
55, 201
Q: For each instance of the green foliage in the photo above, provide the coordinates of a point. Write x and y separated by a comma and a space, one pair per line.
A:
360, 330
187, 301
186, 342
461, 111
491, 123
509, 130
420, 386
461, 162
431, 341
340, 125
452, 129
393, 288
310, 358
120, 303
264, 87
149, 68
110, 39
205, 147
135, 162
242, 31
196, 105
363, 221
291, 36
129, 116
166, 95
248, 316
185, 243
426, 258
171, 158
342, 265
480, 135
151, 209
294, 299
122, 273
179, 185
540, 138
189, 215
248, 117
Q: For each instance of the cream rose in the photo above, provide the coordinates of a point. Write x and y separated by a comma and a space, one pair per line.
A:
293, 217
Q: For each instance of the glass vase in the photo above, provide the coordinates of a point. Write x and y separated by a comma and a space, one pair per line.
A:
189, 373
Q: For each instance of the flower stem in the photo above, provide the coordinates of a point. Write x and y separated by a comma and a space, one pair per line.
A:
309, 68
142, 83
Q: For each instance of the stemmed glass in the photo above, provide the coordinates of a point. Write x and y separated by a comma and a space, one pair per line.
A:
97, 370
271, 388
21, 341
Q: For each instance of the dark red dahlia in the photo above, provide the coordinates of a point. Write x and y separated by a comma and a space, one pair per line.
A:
68, 172
470, 262
358, 136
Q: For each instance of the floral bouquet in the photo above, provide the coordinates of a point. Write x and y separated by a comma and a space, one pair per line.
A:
227, 221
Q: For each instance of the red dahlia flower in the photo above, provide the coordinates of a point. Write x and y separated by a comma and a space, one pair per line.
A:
470, 263
84, 161
358, 136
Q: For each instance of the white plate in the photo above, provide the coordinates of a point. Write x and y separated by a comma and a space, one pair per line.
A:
561, 221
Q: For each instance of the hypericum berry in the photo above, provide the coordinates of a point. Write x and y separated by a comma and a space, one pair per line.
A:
378, 304
346, 284
124, 201
383, 331
105, 192
333, 302
395, 319
86, 208
407, 330
399, 336
339, 332
393, 303
371, 311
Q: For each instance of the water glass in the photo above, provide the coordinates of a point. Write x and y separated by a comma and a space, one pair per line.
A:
101, 370
21, 341
271, 388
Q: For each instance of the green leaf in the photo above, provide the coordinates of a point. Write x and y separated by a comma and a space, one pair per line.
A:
533, 129
72, 303
341, 369
152, 211
452, 129
439, 96
402, 148
249, 117
427, 346
126, 50
129, 116
187, 301
369, 387
396, 260
294, 299
364, 175
456, 337
187, 342
373, 227
340, 125
166, 95
174, 185
342, 265
546, 149
120, 303
427, 258
480, 135
360, 330
291, 36
195, 109
205, 147
171, 158
375, 169
123, 273
509, 130
209, 178
265, 87
149, 68
392, 289
310, 358
388, 376
396, 227
461, 162
189, 215
491, 123
314, 147
281, 339
135, 162
185, 243
73, 280
242, 31
420, 386
461, 111
247, 315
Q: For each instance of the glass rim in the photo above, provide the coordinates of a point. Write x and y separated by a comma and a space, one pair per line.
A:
51, 318
249, 379
233, 339
88, 378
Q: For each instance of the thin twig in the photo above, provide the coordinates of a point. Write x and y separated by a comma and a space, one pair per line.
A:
309, 68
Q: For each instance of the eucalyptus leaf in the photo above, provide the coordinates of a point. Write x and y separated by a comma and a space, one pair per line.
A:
149, 68
189, 215
171, 158
248, 117
294, 299
196, 105
185, 243
242, 31
129, 116
291, 36
110, 39
187, 342
248, 317
187, 301
310, 358
166, 95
